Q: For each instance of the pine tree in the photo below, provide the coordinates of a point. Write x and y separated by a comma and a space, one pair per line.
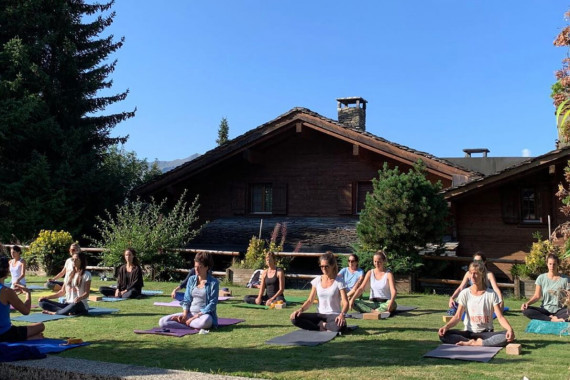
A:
404, 211
223, 131
53, 65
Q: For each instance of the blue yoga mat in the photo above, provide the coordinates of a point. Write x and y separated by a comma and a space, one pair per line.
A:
546, 327
93, 311
112, 299
47, 346
40, 317
152, 292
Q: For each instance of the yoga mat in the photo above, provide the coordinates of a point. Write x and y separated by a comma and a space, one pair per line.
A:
94, 311
404, 308
303, 338
189, 331
250, 306
29, 286
47, 346
40, 317
151, 292
469, 353
113, 299
294, 300
536, 326
13, 353
176, 303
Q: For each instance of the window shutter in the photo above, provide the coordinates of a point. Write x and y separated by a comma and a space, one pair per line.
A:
238, 199
279, 206
510, 205
344, 201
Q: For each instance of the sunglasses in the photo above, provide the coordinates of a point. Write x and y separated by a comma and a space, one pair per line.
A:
325, 266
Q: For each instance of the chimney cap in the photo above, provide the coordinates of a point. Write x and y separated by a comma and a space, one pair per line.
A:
351, 100
468, 152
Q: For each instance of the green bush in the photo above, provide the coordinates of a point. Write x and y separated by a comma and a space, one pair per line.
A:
258, 248
151, 230
50, 250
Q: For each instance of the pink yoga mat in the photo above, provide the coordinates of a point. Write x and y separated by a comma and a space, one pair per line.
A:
182, 332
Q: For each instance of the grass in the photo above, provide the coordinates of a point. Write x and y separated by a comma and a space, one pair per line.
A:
387, 349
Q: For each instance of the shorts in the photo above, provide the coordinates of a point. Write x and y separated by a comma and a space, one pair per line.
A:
15, 334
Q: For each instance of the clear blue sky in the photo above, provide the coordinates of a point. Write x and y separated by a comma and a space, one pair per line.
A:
439, 75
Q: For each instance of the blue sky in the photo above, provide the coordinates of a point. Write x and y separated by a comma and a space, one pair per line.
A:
439, 75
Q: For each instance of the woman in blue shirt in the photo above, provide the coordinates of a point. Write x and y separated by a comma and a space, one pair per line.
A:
200, 299
352, 276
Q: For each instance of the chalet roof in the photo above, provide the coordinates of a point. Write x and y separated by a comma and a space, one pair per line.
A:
305, 118
525, 167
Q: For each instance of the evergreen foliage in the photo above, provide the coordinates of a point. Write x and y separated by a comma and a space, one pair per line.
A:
405, 211
151, 229
54, 137
223, 131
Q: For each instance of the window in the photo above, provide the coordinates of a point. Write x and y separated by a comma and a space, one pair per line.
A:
363, 189
530, 205
261, 198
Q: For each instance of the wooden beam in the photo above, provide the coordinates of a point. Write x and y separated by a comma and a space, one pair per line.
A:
354, 150
299, 127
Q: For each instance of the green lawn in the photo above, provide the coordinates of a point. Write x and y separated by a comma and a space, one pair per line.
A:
391, 348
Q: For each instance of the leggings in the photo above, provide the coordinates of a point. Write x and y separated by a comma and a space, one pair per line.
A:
318, 322
108, 291
63, 308
541, 313
204, 321
251, 299
490, 338
363, 306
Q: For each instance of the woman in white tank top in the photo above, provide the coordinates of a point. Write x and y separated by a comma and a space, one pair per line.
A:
382, 289
17, 267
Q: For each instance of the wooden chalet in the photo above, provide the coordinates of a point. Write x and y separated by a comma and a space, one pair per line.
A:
301, 168
499, 213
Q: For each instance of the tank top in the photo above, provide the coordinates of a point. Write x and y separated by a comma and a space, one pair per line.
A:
16, 272
379, 288
4, 315
198, 300
272, 284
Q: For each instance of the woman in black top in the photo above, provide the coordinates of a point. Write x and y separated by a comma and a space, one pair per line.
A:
272, 284
129, 279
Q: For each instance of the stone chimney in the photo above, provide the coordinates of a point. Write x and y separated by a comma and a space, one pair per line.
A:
352, 112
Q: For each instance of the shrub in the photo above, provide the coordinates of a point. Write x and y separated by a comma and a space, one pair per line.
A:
151, 230
50, 250
535, 261
257, 249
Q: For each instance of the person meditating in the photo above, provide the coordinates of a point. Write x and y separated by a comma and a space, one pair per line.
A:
352, 276
75, 289
65, 272
548, 285
491, 282
382, 289
129, 279
200, 299
9, 332
333, 303
479, 303
17, 268
272, 284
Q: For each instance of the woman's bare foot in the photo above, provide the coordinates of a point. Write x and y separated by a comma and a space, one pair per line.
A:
48, 312
471, 342
554, 318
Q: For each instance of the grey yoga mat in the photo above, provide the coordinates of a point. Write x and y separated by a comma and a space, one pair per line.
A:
469, 353
306, 337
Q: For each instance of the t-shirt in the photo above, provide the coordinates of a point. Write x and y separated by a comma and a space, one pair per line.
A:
478, 309
329, 298
77, 288
349, 278
550, 300
198, 300
68, 269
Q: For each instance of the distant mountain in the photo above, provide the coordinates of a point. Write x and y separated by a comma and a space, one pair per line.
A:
165, 166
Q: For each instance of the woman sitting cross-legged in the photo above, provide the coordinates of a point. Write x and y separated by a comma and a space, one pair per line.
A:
9, 332
479, 303
272, 284
548, 285
330, 315
130, 278
352, 276
75, 289
382, 289
200, 299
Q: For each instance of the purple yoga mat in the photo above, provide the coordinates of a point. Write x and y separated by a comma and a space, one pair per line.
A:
176, 303
182, 332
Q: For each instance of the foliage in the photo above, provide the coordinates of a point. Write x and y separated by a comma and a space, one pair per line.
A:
258, 248
404, 212
54, 134
535, 261
50, 250
151, 230
223, 131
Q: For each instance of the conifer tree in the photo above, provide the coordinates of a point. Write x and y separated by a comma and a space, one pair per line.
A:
54, 134
223, 131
